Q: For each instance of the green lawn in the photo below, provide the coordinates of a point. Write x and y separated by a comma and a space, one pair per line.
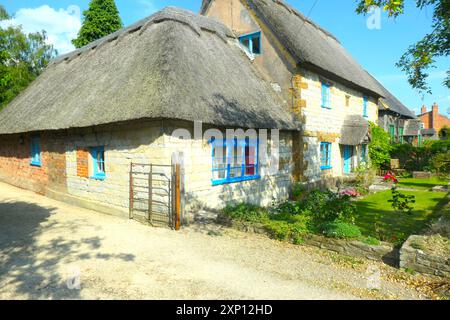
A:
377, 218
421, 184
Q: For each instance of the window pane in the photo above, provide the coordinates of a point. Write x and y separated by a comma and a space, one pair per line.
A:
256, 45
250, 160
246, 43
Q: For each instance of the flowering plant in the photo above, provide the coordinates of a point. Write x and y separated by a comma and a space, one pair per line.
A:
390, 177
400, 202
353, 193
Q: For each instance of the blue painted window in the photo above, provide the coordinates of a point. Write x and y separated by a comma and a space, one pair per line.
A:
35, 151
325, 156
252, 42
364, 153
234, 160
365, 101
326, 96
98, 163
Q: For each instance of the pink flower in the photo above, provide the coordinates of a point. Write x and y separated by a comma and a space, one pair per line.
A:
351, 193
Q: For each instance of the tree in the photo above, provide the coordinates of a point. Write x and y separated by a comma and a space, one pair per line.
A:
421, 56
22, 58
100, 19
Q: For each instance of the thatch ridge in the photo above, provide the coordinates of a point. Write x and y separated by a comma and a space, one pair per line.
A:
165, 70
312, 46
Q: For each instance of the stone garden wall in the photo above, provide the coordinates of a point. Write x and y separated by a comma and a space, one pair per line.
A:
384, 252
414, 255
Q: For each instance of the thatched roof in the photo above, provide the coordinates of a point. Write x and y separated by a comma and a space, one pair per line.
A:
172, 65
394, 105
318, 49
355, 131
312, 46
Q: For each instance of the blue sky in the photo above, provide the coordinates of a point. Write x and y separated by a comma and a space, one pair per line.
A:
377, 50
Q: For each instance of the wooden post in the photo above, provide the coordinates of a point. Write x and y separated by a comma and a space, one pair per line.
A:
131, 192
177, 197
150, 195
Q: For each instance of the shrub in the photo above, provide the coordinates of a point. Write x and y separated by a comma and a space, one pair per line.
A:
371, 241
286, 227
440, 164
365, 177
298, 190
419, 158
245, 212
340, 230
329, 207
379, 147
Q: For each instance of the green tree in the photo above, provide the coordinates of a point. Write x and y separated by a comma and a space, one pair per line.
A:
421, 56
100, 19
379, 147
22, 58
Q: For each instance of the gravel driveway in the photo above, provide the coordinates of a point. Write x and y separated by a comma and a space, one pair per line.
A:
51, 250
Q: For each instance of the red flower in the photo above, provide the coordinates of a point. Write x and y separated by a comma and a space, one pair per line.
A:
390, 177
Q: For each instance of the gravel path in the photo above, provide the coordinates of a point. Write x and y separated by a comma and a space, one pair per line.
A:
45, 243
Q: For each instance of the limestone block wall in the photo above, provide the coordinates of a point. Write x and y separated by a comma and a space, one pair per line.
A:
140, 143
325, 125
198, 174
152, 142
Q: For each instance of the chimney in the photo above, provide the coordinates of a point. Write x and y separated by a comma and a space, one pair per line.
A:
434, 116
424, 109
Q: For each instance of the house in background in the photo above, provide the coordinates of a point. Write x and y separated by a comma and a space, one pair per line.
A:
397, 120
432, 122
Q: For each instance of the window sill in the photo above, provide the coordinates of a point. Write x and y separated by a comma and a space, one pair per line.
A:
235, 180
329, 108
326, 168
98, 178
36, 164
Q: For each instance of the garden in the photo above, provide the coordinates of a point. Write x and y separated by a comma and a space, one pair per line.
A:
404, 206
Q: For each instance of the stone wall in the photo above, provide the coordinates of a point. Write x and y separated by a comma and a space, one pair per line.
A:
384, 252
66, 169
415, 256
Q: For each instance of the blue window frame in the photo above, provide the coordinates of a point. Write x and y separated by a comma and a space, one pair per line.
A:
364, 153
234, 160
325, 155
35, 151
98, 163
365, 101
252, 42
326, 95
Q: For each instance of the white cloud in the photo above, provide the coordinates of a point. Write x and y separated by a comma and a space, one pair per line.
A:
149, 5
61, 25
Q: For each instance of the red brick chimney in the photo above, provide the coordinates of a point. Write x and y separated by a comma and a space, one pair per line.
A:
434, 116
424, 109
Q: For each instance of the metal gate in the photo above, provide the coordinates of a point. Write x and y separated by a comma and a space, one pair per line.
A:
153, 194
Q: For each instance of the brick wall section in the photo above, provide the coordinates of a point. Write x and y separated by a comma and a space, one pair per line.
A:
15, 165
82, 163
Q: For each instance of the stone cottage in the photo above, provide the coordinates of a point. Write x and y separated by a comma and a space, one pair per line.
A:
314, 76
77, 130
74, 132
